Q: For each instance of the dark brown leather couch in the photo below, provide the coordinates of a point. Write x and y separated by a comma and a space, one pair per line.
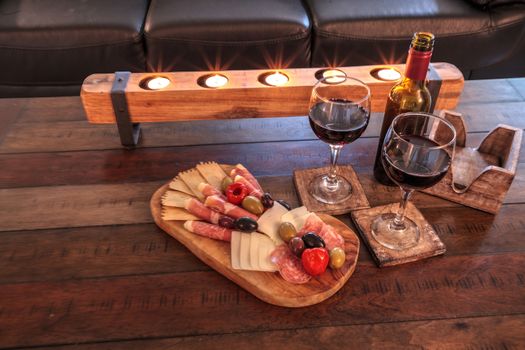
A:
47, 47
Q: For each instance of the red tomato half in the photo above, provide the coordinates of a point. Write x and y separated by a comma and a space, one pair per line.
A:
236, 192
315, 261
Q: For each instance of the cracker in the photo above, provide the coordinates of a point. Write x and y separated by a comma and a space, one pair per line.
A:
174, 199
192, 178
178, 185
212, 173
170, 213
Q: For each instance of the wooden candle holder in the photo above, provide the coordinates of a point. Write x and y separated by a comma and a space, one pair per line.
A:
122, 97
480, 177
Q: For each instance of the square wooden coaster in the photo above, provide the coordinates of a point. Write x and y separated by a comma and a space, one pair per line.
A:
358, 200
429, 243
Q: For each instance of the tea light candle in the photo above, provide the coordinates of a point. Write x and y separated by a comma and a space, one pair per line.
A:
157, 83
334, 76
216, 81
276, 79
388, 74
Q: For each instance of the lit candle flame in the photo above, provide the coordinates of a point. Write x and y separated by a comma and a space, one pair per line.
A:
158, 83
276, 79
334, 76
389, 74
216, 81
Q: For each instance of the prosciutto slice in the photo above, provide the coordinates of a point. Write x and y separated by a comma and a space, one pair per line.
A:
330, 237
208, 230
208, 190
222, 206
290, 267
253, 190
242, 171
201, 211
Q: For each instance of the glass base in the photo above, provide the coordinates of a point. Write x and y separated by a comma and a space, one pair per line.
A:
387, 235
324, 191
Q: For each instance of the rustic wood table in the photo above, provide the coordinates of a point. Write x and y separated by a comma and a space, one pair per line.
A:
82, 265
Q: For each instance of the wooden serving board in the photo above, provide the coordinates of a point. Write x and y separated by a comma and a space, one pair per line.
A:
267, 286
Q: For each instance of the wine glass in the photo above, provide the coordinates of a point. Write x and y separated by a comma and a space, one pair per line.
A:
416, 154
339, 112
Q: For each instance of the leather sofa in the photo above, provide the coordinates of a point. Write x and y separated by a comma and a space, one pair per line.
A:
48, 47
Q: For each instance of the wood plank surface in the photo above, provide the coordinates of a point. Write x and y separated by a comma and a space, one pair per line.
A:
83, 265
480, 333
181, 305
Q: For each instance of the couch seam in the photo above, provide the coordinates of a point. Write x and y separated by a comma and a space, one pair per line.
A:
325, 33
116, 43
303, 35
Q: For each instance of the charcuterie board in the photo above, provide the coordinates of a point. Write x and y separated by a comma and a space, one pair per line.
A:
267, 286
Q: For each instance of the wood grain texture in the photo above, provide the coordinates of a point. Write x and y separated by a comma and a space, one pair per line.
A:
243, 96
481, 177
479, 333
429, 244
267, 286
358, 200
200, 303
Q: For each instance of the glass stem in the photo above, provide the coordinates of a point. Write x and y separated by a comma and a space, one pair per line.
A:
399, 220
335, 150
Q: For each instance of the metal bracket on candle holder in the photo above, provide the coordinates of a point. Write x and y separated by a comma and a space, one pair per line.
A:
434, 85
129, 132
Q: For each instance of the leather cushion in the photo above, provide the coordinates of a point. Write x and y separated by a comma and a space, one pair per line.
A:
227, 34
373, 32
60, 42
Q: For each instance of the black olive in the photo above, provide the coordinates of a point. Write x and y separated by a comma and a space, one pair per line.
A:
267, 200
226, 221
312, 240
284, 204
246, 224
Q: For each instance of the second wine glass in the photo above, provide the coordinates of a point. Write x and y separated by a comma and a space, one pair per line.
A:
339, 113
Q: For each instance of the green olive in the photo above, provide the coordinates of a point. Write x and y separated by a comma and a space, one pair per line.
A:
287, 231
253, 205
337, 258
227, 181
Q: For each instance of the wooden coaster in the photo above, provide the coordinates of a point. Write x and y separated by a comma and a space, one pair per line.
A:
429, 242
358, 200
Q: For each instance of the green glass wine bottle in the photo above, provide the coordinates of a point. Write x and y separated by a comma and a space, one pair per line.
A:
409, 95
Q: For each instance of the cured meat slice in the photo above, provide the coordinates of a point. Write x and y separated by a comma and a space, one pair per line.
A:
222, 206
331, 238
253, 190
208, 230
209, 190
201, 211
242, 171
312, 224
290, 267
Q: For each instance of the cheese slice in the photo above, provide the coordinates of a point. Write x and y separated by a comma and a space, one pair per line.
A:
236, 249
266, 247
297, 217
244, 256
255, 240
269, 222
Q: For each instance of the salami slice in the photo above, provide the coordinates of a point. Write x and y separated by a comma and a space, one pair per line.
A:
290, 267
208, 190
222, 206
242, 171
201, 211
251, 188
208, 230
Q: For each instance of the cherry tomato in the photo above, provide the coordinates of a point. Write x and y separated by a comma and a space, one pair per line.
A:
315, 261
236, 192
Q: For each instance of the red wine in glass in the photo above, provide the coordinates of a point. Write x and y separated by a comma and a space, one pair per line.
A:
422, 171
339, 124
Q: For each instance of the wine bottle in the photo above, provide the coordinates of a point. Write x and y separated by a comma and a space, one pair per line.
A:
409, 95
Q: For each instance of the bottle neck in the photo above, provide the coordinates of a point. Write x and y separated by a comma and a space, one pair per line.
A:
417, 65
